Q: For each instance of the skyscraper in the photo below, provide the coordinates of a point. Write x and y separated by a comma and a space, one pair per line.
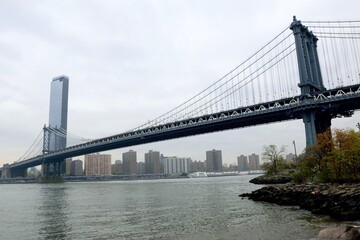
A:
214, 161
152, 162
243, 164
58, 112
129, 162
254, 162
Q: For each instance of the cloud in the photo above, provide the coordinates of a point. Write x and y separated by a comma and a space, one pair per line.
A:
131, 61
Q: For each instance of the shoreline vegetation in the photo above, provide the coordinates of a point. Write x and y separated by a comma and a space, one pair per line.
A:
325, 179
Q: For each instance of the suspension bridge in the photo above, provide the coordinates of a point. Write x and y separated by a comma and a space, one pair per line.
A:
299, 74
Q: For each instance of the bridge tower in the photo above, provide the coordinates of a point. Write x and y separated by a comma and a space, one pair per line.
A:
310, 80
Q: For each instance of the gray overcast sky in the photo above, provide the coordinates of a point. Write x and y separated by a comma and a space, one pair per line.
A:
131, 61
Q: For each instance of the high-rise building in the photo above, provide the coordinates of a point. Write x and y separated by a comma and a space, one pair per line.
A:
58, 113
152, 162
97, 164
129, 162
254, 162
77, 168
242, 162
176, 165
214, 161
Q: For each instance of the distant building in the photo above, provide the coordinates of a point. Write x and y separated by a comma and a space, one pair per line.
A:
140, 168
162, 158
68, 166
98, 164
6, 171
290, 157
197, 166
233, 167
152, 162
214, 161
76, 168
129, 162
117, 168
176, 165
254, 162
243, 164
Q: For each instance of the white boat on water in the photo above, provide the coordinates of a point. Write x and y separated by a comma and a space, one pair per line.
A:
197, 175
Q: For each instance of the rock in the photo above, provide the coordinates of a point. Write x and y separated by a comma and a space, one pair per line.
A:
277, 179
344, 233
341, 202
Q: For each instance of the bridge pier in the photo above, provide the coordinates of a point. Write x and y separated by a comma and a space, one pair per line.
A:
52, 172
315, 123
310, 128
18, 172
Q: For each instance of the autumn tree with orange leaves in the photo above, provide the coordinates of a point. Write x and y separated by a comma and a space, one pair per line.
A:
335, 158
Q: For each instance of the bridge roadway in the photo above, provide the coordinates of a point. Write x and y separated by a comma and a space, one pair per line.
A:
341, 101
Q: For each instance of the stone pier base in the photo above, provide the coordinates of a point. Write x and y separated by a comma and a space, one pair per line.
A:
51, 179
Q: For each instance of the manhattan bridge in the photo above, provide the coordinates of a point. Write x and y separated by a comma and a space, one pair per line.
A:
309, 72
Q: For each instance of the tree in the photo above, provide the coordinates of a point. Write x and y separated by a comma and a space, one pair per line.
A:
273, 154
316, 156
335, 158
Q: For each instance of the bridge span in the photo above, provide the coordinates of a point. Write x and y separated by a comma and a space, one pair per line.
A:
332, 103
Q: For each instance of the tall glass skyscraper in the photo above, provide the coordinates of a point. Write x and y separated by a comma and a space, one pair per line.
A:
58, 112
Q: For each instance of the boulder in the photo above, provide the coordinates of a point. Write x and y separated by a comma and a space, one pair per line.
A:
338, 201
276, 179
344, 233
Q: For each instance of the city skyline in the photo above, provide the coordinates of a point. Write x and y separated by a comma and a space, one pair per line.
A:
119, 81
96, 163
141, 157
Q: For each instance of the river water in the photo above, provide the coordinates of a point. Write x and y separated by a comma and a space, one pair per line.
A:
201, 208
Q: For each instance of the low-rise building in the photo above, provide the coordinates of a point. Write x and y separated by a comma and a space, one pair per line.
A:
197, 166
176, 165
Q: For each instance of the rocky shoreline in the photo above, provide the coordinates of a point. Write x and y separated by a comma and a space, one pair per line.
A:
278, 179
340, 201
